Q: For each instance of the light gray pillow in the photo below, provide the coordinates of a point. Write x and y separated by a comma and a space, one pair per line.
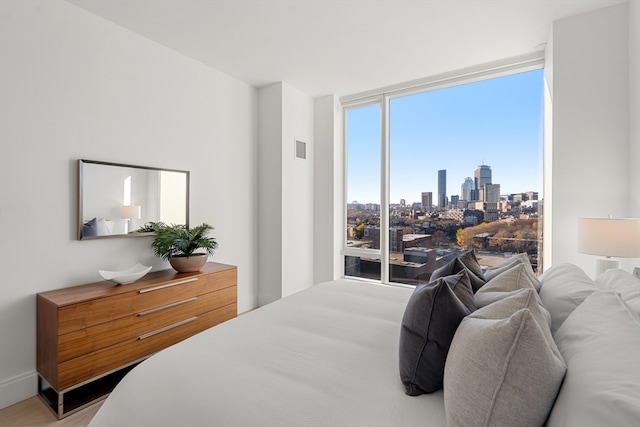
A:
524, 298
503, 367
564, 287
492, 272
518, 276
600, 342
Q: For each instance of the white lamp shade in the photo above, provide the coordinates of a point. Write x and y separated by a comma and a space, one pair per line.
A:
130, 212
610, 237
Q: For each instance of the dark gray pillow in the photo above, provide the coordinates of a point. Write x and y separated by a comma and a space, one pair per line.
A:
430, 320
471, 262
90, 228
466, 261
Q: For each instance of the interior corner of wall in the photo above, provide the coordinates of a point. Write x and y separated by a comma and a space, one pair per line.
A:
18, 388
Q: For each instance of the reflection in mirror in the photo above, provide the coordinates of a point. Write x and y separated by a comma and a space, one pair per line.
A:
116, 199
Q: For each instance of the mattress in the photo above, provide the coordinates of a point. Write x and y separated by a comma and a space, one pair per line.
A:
325, 356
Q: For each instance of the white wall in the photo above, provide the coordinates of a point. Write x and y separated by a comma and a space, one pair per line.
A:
591, 144
286, 210
297, 191
328, 189
634, 120
75, 86
270, 193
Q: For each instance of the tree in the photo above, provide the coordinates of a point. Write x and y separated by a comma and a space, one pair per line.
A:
438, 237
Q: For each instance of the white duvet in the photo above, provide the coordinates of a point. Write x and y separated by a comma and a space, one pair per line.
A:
326, 356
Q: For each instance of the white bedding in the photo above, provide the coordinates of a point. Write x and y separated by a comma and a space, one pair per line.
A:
326, 356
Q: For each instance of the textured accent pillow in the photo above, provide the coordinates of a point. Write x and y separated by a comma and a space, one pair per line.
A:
90, 228
503, 367
564, 288
520, 259
467, 261
492, 272
523, 298
600, 342
430, 320
516, 277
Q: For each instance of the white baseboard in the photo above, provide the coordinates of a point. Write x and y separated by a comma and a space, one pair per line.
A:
18, 388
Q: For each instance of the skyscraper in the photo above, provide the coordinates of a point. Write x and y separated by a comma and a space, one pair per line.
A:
492, 193
442, 189
427, 201
466, 189
482, 176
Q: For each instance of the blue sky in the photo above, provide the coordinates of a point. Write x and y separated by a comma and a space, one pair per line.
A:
497, 122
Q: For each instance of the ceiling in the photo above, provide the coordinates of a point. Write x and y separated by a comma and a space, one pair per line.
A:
342, 47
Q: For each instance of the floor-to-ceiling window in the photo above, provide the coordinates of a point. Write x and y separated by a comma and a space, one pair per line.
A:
435, 171
363, 125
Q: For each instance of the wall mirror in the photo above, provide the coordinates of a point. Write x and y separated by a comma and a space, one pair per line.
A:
115, 200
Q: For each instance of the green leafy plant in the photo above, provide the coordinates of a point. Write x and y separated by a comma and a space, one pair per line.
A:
179, 240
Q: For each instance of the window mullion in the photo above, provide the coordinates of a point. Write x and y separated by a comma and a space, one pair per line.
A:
384, 190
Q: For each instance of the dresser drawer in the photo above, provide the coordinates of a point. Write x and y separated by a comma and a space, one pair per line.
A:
105, 360
94, 312
83, 341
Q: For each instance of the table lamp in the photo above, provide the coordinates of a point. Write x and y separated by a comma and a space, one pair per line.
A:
609, 237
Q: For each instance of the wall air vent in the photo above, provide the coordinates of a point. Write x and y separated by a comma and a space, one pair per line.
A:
301, 149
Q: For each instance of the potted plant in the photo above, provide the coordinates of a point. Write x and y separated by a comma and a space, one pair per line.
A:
186, 249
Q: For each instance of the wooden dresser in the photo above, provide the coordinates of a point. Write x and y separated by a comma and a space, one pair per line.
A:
90, 336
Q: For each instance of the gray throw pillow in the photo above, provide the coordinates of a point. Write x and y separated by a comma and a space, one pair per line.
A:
492, 272
470, 261
516, 277
503, 367
90, 228
467, 261
430, 320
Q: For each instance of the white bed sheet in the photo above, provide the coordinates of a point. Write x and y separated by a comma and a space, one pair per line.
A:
326, 356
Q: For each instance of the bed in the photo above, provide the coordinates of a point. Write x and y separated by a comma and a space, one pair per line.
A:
329, 356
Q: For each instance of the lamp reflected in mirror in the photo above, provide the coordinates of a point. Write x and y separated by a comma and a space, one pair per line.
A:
130, 213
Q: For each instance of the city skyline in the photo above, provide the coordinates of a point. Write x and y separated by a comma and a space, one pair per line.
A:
462, 195
495, 122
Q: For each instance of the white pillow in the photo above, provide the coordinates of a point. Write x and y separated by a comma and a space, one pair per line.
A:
600, 342
564, 287
503, 368
627, 285
105, 227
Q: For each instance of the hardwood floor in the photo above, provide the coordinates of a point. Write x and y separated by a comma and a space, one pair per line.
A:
34, 413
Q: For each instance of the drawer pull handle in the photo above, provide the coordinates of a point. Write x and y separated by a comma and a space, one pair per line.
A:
164, 307
166, 328
168, 285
